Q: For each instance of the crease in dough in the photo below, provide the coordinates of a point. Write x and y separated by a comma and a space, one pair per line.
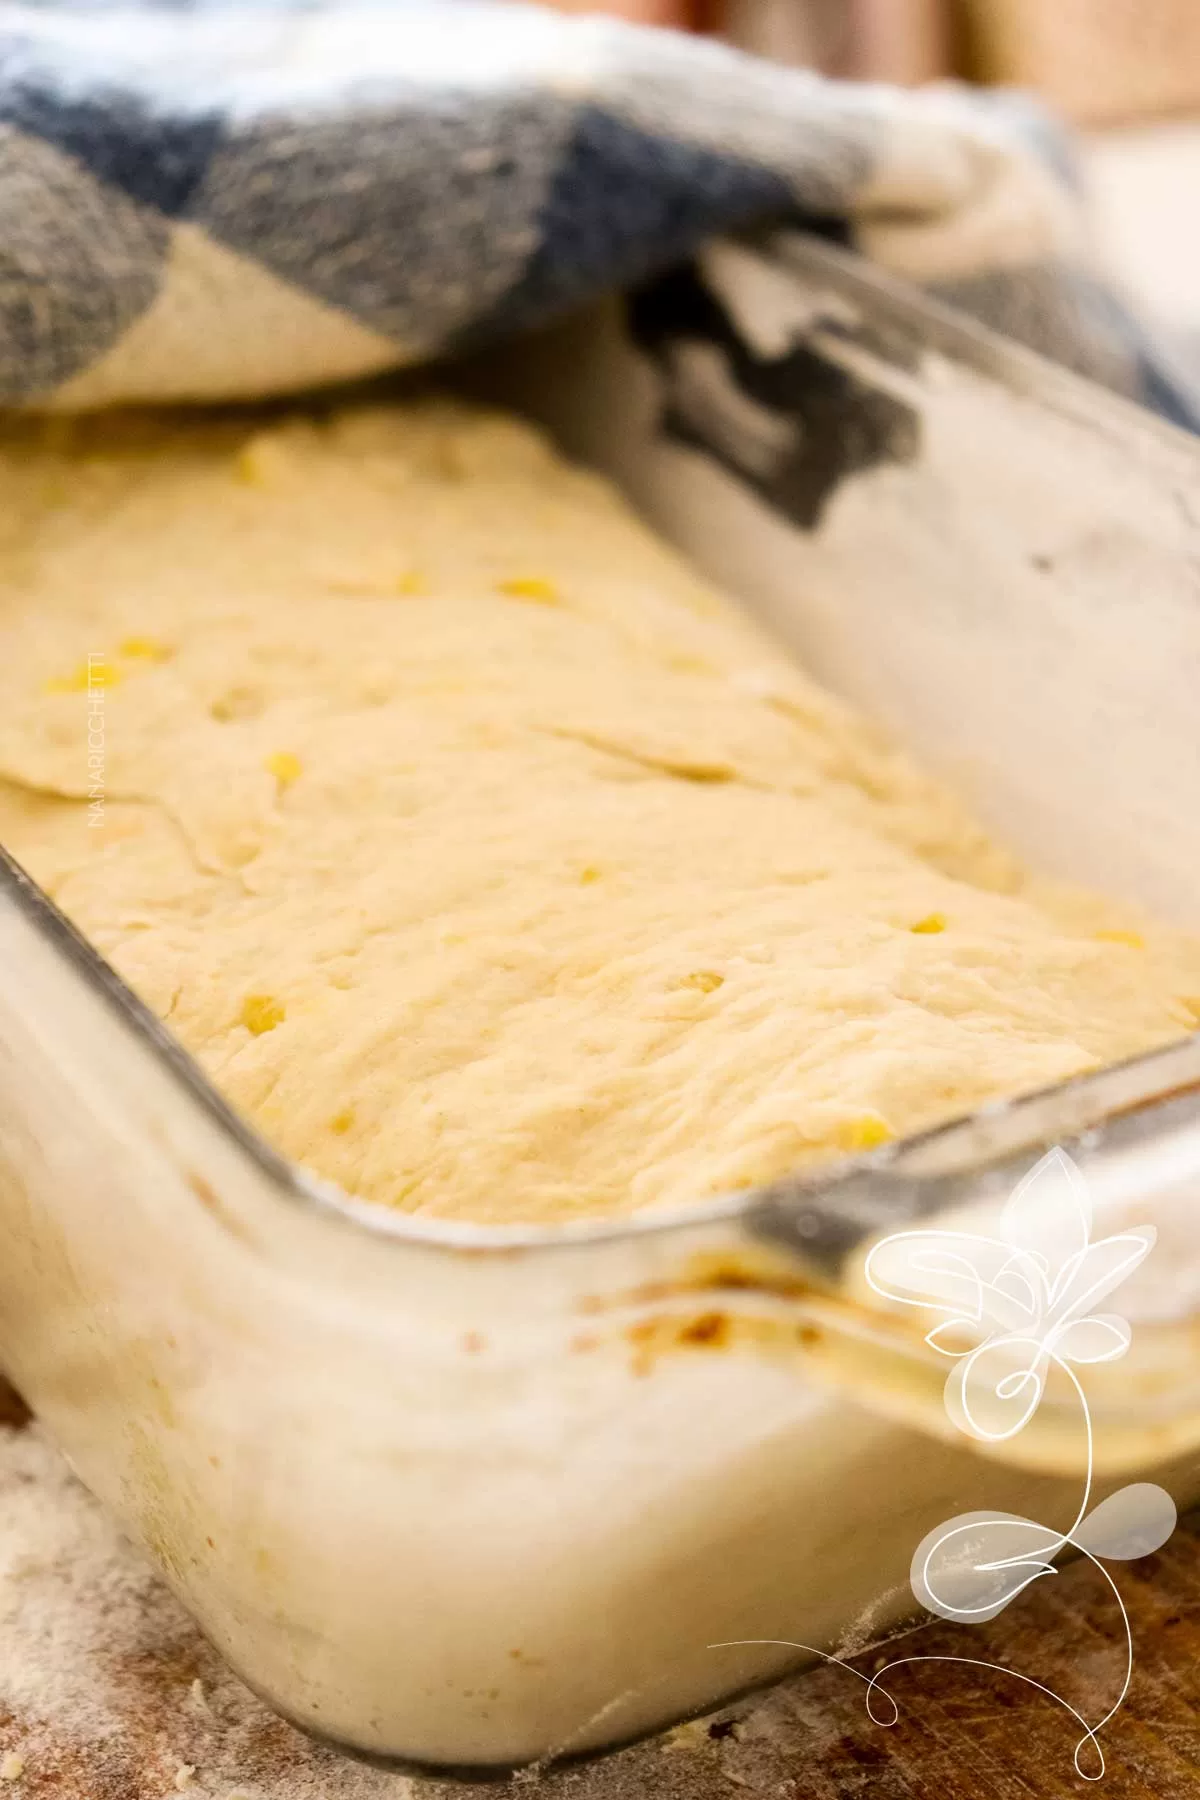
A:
488, 861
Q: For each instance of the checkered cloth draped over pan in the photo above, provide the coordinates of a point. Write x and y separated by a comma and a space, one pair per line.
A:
204, 200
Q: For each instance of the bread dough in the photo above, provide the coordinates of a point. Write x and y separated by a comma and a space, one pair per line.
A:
492, 865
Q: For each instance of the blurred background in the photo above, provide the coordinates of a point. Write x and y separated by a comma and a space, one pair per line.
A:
1125, 73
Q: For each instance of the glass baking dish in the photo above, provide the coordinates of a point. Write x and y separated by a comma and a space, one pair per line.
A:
468, 1499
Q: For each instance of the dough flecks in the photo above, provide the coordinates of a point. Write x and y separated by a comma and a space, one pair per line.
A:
492, 865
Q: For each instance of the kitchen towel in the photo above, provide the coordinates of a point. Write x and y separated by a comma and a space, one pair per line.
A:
202, 199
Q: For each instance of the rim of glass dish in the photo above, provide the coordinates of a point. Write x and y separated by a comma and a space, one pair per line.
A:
1011, 365
297, 1184
941, 328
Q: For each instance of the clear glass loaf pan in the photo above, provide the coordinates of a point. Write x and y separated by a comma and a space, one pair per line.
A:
469, 1499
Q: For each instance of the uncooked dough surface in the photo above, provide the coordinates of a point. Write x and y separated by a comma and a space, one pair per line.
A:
486, 860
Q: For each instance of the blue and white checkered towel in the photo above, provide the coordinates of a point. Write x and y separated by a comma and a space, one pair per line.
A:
212, 200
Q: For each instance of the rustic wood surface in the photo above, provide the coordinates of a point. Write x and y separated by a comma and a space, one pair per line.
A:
108, 1693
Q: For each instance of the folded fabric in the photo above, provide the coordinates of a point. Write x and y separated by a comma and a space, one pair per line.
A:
205, 201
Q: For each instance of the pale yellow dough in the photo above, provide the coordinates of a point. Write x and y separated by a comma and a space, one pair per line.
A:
492, 865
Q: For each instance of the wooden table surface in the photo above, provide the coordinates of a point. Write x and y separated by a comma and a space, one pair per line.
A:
107, 1692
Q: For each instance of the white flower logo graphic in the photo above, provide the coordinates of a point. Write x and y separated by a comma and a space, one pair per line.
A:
1015, 1304
1012, 1308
